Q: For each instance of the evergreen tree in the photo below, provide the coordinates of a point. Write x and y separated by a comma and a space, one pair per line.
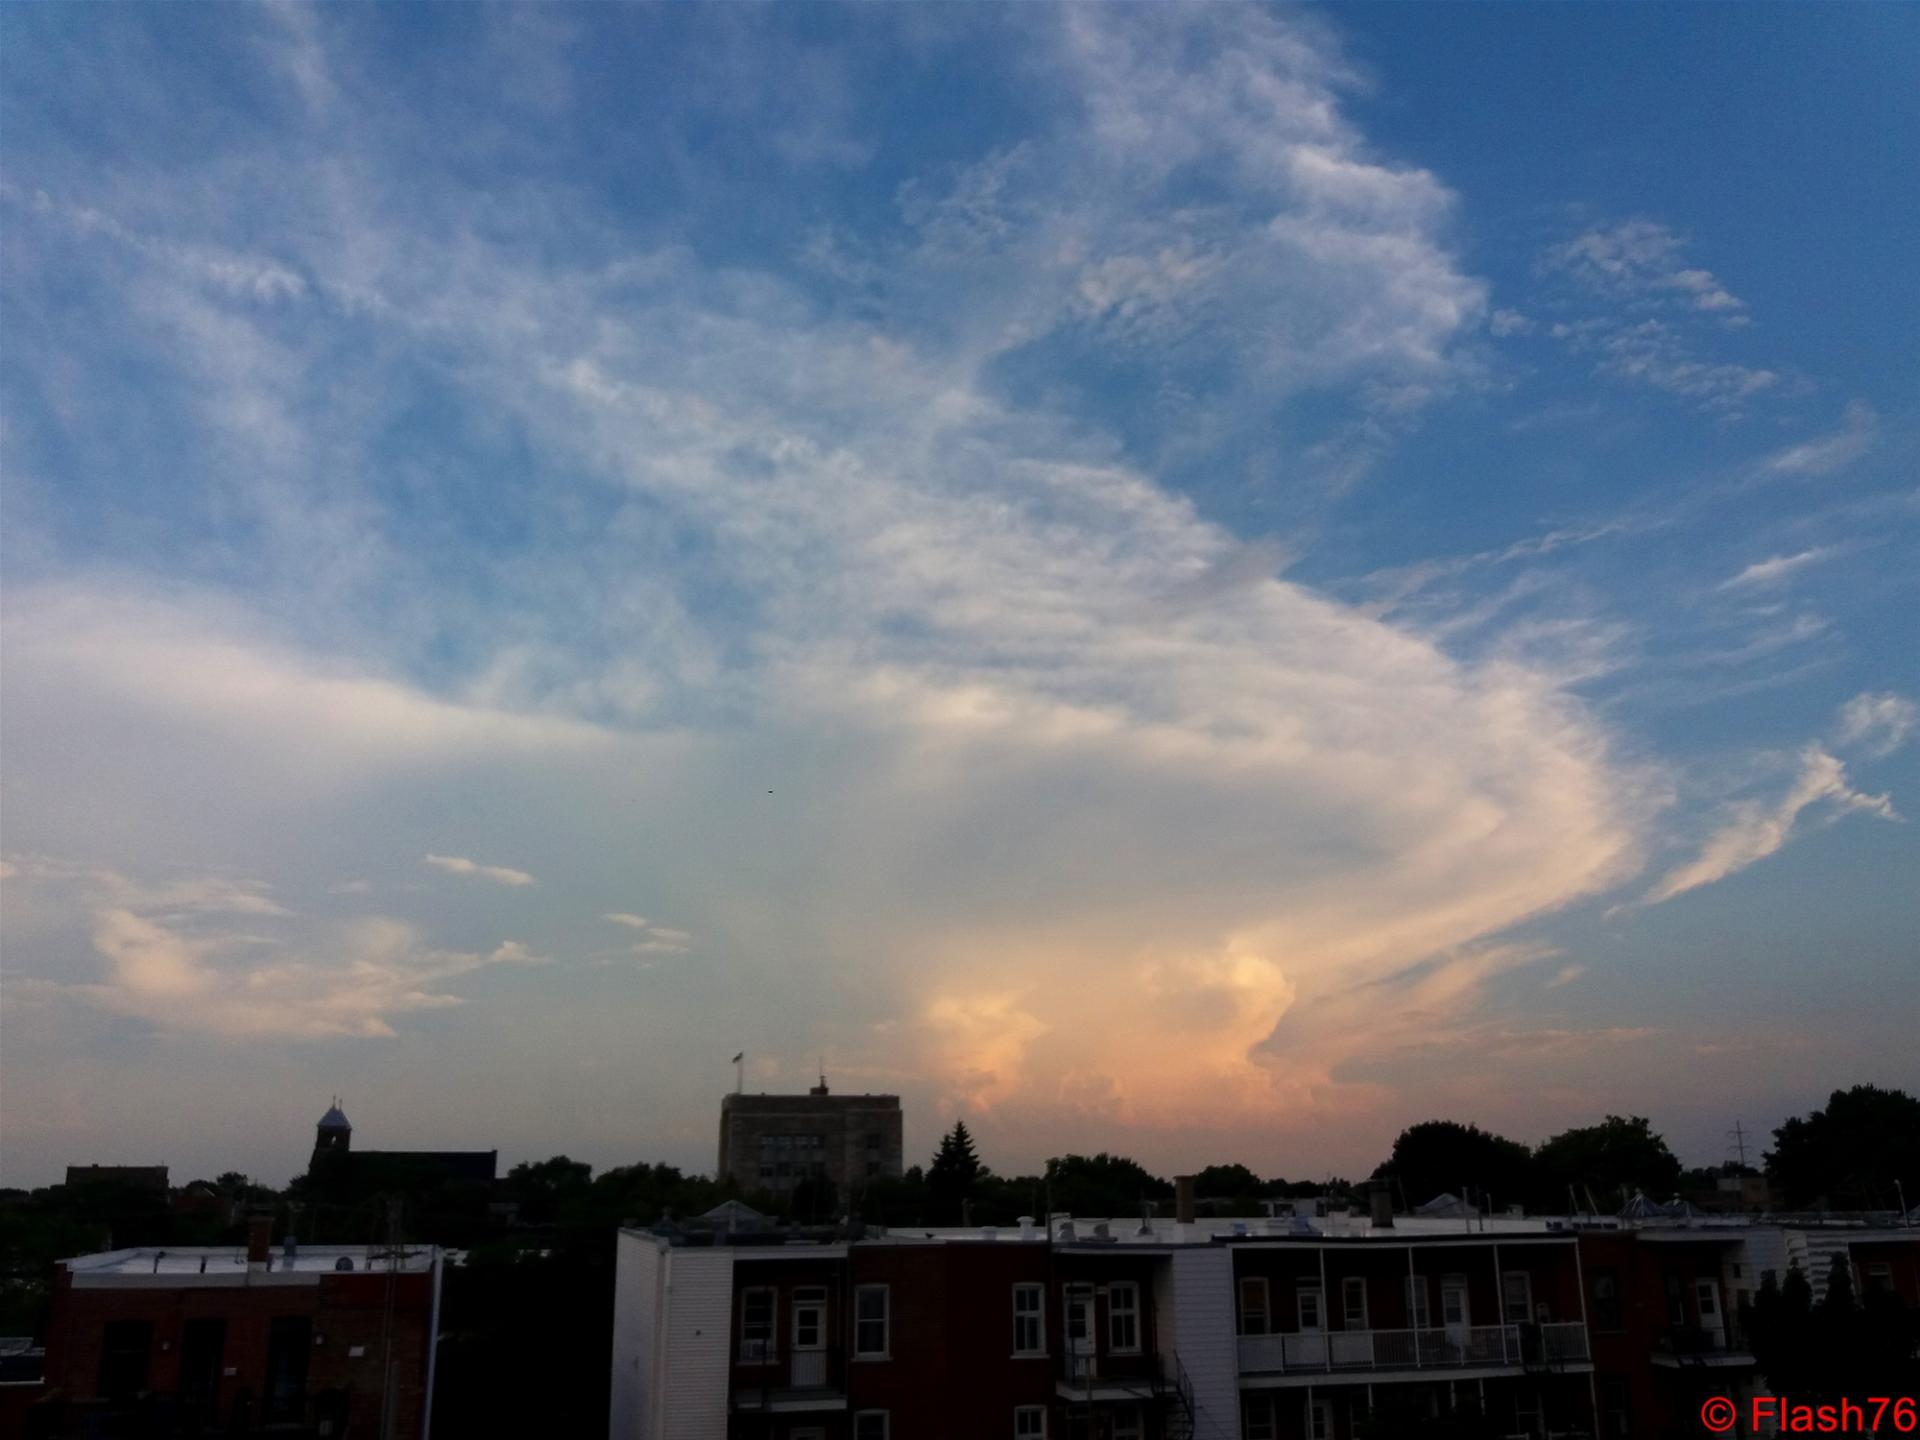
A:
955, 1173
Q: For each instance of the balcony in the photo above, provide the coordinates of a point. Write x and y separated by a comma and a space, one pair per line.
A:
1710, 1347
1457, 1347
1084, 1375
769, 1379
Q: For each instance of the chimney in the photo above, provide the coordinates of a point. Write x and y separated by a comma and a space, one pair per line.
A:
1026, 1227
259, 1241
1183, 1199
1381, 1199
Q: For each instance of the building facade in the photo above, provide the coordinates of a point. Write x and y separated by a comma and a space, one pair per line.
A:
776, 1143
313, 1341
1112, 1330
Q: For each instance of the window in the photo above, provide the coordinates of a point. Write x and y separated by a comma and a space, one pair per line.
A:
1253, 1306
202, 1344
1878, 1279
810, 1318
1606, 1299
1123, 1318
756, 1325
1029, 1422
1080, 1318
289, 1348
1616, 1417
1319, 1420
1516, 1297
125, 1346
870, 1425
1128, 1425
1029, 1320
1418, 1315
870, 1322
1353, 1302
1308, 1298
1258, 1417
1527, 1415
1454, 1306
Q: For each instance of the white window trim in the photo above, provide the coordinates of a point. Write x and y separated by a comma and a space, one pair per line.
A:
1351, 1285
885, 1418
1038, 1315
767, 1343
1124, 1287
1258, 1283
1319, 1420
1037, 1410
1526, 1278
1301, 1295
885, 1352
1458, 1284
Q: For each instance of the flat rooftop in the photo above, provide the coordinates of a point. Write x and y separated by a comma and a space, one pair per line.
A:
227, 1264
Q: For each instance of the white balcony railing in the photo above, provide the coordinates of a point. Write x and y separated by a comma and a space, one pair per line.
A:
1452, 1346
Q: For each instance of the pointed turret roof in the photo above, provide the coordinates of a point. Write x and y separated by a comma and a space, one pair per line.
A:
335, 1118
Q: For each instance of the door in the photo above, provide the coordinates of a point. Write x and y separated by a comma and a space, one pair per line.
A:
1079, 1323
1706, 1294
809, 1364
1455, 1314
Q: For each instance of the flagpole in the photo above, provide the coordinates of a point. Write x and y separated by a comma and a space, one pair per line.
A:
740, 1073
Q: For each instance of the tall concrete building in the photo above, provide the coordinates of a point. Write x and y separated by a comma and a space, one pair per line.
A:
775, 1142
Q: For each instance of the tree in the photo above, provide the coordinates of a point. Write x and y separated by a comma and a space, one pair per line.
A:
1616, 1157
1102, 1184
954, 1174
1444, 1155
1836, 1349
1226, 1182
1852, 1153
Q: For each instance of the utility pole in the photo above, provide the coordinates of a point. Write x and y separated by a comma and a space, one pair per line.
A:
1738, 1136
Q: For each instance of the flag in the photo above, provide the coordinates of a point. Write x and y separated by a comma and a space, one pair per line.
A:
741, 1056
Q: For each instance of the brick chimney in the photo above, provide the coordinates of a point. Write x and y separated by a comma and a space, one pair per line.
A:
259, 1241
1183, 1199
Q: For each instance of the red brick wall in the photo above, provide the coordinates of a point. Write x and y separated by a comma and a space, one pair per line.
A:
345, 1311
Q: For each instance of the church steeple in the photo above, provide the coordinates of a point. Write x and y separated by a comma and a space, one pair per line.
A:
333, 1135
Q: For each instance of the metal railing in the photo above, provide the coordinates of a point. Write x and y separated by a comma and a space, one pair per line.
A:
1454, 1346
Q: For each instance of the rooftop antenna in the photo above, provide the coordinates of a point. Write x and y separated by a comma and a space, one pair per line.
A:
740, 1072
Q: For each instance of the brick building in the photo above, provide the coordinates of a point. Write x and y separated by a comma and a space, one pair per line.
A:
777, 1142
310, 1341
1271, 1329
1667, 1300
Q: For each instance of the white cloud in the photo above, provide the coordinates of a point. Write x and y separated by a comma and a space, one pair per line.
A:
627, 918
460, 865
1777, 568
1640, 258
1509, 322
1757, 830
1878, 724
1828, 453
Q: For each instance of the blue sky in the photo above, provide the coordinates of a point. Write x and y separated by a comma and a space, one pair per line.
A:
1205, 582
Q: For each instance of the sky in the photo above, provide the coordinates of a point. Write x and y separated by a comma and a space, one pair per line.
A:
1208, 583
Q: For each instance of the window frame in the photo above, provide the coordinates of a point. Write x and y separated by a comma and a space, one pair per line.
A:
1456, 1284
1257, 1420
885, 1321
1302, 1293
1507, 1317
767, 1351
1129, 1423
1350, 1286
1036, 1317
1032, 1412
1419, 1297
883, 1416
1255, 1284
1115, 1314
1319, 1419
1606, 1313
